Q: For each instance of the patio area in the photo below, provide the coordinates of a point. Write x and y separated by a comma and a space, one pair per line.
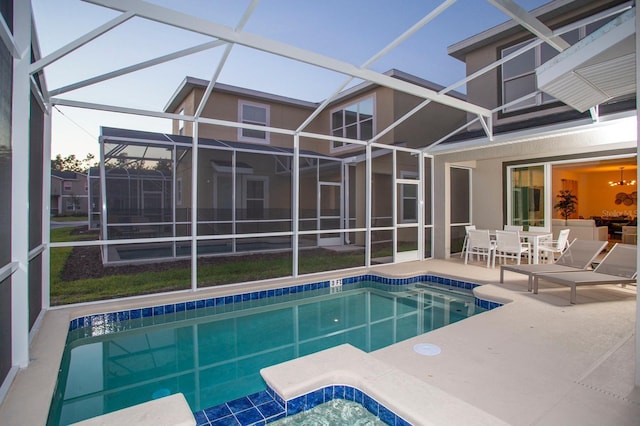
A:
536, 360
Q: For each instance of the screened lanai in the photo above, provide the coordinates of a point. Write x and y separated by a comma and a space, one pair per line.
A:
319, 197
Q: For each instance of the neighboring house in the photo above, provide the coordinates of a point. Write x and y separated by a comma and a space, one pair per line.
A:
245, 174
552, 113
69, 193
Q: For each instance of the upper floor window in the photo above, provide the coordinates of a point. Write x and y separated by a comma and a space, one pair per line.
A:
353, 121
519, 74
181, 123
256, 114
68, 185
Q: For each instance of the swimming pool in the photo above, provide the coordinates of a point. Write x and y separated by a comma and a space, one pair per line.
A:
212, 350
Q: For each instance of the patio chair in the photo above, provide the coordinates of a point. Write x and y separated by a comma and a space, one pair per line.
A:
519, 228
510, 246
618, 267
549, 249
480, 244
466, 238
577, 256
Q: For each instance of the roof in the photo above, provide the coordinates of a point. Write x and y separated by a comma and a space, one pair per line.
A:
65, 174
610, 108
191, 83
126, 136
545, 13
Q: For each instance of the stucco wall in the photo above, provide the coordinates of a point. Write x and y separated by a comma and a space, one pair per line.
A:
487, 172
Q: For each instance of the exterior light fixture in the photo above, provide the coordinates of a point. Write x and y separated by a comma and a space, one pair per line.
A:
622, 182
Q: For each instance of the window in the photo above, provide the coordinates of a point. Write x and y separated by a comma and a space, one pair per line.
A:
179, 191
73, 205
519, 76
353, 121
255, 196
181, 122
67, 185
409, 199
255, 114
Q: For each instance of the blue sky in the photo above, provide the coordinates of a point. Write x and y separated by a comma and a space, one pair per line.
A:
349, 30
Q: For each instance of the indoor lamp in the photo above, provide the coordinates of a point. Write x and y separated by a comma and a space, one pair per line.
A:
622, 182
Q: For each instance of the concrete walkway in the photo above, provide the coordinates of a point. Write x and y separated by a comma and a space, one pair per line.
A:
535, 361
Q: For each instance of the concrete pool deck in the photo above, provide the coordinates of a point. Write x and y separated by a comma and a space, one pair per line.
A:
536, 360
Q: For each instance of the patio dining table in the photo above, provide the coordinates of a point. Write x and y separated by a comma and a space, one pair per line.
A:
534, 238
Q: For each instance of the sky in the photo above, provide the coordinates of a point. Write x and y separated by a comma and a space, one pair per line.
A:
349, 30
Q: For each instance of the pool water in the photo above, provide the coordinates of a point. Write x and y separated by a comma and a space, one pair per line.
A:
338, 412
215, 354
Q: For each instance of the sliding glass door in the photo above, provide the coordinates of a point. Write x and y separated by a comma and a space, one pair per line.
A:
527, 189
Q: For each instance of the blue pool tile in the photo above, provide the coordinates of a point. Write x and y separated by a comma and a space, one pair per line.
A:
147, 312
200, 304
313, 399
260, 398
338, 391
201, 418
249, 417
191, 306
401, 422
180, 307
370, 404
295, 405
328, 393
270, 409
217, 412
158, 310
386, 415
135, 313
349, 393
239, 404
226, 421
357, 396
286, 291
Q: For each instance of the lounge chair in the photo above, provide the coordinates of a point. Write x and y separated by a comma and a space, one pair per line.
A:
618, 267
577, 256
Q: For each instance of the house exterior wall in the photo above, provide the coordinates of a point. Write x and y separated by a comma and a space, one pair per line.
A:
488, 165
486, 90
61, 197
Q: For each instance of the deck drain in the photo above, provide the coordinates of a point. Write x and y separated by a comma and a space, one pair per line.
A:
428, 349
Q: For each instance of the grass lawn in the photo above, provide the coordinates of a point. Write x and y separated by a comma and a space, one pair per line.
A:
69, 219
232, 270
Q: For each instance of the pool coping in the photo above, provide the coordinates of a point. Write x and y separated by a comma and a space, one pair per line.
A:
110, 321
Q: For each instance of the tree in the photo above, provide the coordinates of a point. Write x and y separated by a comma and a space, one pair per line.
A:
71, 163
566, 204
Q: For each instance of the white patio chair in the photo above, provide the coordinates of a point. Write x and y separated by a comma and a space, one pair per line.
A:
509, 246
549, 249
467, 228
480, 244
518, 228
